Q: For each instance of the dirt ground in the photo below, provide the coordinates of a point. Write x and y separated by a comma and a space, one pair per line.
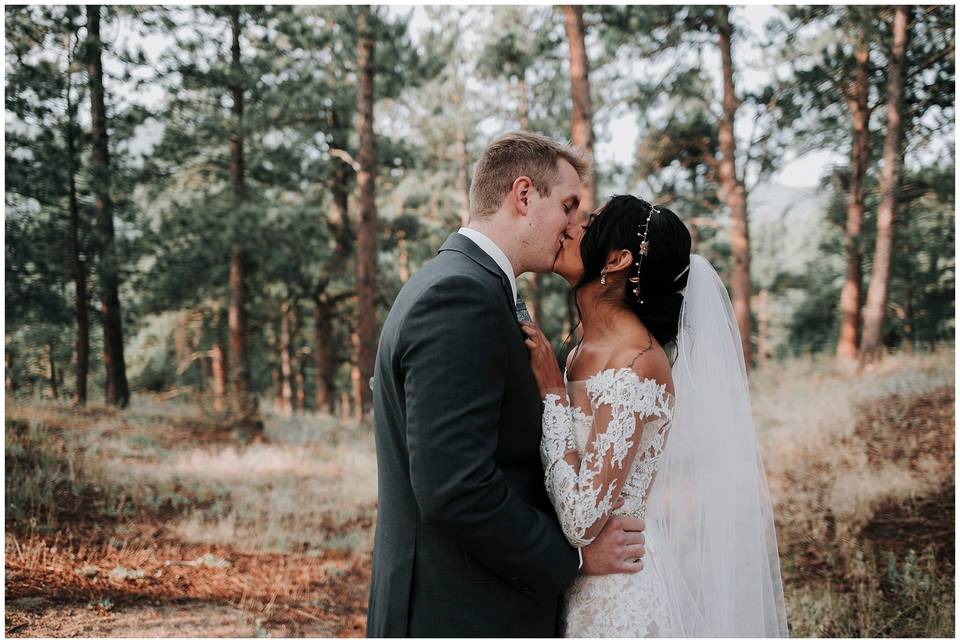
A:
181, 590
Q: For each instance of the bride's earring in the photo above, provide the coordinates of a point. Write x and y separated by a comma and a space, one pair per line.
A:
603, 277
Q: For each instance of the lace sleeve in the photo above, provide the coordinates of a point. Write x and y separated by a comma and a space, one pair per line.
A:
583, 490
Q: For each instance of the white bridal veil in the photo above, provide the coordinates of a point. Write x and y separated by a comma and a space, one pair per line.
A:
710, 525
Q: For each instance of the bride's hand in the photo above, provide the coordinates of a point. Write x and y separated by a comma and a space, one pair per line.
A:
543, 361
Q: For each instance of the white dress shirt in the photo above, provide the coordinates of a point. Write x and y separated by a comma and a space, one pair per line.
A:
490, 248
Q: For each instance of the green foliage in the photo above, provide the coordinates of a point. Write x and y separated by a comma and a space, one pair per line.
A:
170, 122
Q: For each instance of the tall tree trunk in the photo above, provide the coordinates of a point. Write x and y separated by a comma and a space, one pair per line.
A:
300, 399
365, 341
117, 390
857, 96
325, 389
908, 306
534, 289
286, 359
763, 324
73, 243
10, 383
580, 90
52, 372
878, 292
219, 365
356, 378
732, 191
246, 406
248, 422
276, 379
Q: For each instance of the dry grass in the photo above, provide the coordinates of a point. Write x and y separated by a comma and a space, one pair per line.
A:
109, 512
861, 471
116, 519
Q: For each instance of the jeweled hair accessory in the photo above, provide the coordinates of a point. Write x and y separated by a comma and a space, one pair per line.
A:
644, 250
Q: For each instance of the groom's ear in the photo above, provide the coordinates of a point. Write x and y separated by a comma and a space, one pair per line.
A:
619, 261
520, 194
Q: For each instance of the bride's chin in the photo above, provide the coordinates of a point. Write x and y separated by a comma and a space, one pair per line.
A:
566, 273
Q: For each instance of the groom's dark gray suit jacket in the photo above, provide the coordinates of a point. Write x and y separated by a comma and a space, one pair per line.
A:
467, 543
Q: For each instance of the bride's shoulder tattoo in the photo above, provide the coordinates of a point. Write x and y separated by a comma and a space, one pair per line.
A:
647, 348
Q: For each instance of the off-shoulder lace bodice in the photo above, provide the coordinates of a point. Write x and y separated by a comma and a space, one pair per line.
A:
605, 439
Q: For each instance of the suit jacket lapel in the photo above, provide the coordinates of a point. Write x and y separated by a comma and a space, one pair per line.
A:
462, 244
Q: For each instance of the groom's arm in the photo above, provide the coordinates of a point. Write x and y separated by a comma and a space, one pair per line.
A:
453, 359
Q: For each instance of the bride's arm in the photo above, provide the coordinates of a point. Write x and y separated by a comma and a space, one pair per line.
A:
584, 492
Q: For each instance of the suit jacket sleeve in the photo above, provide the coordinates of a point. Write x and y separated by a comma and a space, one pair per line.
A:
453, 358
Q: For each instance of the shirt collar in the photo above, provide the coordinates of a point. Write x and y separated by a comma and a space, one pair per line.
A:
490, 248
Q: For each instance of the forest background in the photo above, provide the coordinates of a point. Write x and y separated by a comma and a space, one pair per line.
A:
209, 210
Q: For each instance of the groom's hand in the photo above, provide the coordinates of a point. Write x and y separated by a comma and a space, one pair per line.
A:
618, 548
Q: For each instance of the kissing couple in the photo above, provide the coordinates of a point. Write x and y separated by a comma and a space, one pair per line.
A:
623, 496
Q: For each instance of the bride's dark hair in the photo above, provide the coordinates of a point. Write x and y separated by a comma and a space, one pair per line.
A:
617, 226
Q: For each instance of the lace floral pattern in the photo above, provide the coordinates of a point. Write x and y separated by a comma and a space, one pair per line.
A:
618, 440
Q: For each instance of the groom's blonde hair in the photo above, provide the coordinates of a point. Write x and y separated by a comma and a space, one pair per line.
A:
515, 154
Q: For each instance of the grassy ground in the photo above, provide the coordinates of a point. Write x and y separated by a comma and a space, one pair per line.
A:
154, 522
861, 471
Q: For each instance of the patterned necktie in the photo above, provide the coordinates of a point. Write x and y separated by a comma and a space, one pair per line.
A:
522, 314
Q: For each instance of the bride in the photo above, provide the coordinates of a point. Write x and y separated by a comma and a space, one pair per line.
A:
628, 430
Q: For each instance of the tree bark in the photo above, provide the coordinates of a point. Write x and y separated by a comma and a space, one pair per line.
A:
856, 99
219, 366
77, 271
10, 383
365, 341
248, 420
580, 90
345, 411
246, 406
286, 359
878, 292
300, 399
763, 317
356, 378
52, 372
117, 391
732, 192
908, 306
323, 364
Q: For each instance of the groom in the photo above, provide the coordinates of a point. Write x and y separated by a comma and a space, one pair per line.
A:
467, 542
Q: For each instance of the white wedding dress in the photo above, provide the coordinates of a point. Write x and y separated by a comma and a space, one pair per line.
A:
690, 466
617, 423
